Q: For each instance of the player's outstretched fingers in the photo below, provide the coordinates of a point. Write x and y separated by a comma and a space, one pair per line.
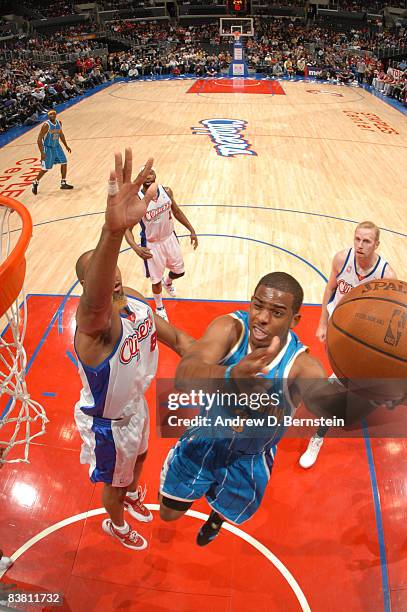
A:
142, 176
118, 167
128, 165
112, 186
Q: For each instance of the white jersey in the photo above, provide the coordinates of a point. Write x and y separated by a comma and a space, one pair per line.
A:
348, 278
157, 223
116, 386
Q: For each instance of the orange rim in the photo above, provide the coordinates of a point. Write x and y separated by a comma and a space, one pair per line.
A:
12, 269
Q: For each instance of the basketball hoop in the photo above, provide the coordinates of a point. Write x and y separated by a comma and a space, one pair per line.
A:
236, 36
19, 414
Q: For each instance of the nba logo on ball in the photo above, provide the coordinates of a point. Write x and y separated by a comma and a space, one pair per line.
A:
367, 339
398, 323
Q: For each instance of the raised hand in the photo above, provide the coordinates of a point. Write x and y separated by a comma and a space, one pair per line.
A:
256, 362
124, 207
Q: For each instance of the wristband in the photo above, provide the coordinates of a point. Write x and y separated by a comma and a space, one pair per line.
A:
228, 372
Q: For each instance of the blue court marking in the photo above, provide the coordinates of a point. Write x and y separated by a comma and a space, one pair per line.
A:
43, 338
60, 322
72, 357
269, 244
255, 207
49, 394
299, 212
379, 518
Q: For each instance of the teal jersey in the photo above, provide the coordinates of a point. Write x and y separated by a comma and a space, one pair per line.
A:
51, 138
277, 371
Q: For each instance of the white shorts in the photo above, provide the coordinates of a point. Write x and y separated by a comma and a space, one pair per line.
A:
112, 447
165, 254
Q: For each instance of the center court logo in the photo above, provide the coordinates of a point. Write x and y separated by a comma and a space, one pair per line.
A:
227, 136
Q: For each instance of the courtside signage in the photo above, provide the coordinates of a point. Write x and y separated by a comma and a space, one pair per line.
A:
370, 122
227, 136
15, 180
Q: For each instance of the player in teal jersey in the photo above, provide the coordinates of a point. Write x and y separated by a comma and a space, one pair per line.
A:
51, 151
231, 468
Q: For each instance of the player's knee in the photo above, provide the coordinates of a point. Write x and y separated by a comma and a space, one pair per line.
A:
172, 509
113, 494
174, 275
168, 515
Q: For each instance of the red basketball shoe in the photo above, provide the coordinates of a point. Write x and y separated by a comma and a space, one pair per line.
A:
131, 539
136, 508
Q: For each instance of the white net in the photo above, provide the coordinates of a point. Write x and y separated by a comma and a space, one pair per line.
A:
21, 418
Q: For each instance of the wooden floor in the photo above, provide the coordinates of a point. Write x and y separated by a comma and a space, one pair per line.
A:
287, 208
326, 158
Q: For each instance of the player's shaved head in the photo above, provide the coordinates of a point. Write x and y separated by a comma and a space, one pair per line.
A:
82, 264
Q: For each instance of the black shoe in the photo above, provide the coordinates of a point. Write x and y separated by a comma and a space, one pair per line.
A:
64, 185
210, 529
34, 187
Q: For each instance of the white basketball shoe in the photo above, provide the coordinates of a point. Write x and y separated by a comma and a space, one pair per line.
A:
5, 563
130, 539
170, 289
308, 458
161, 312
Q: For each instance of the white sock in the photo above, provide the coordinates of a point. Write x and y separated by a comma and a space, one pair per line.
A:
132, 494
158, 298
168, 280
123, 529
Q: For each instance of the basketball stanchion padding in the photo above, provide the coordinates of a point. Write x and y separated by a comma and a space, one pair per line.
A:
21, 418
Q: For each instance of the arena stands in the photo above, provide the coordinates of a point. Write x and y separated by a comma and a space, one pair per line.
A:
43, 65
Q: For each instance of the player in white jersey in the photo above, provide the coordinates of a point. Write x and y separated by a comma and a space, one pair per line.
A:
116, 344
159, 246
350, 268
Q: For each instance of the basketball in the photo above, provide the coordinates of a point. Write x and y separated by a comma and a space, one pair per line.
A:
367, 338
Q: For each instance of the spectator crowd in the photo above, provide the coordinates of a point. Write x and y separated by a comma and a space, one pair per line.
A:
279, 48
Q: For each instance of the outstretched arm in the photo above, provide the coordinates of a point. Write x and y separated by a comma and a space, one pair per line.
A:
182, 218
124, 209
329, 397
201, 361
176, 339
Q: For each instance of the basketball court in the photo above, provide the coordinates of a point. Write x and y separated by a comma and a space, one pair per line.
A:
273, 176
